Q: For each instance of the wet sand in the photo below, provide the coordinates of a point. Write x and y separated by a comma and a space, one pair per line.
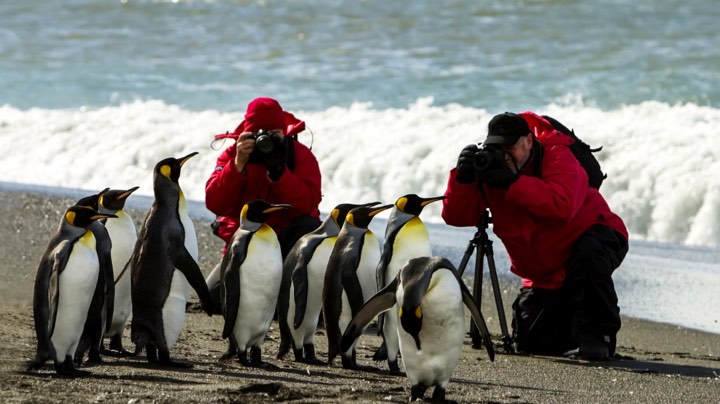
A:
658, 362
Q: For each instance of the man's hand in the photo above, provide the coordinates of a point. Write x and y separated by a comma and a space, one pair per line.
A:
244, 146
465, 173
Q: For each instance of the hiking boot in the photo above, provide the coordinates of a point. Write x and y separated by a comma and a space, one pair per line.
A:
594, 347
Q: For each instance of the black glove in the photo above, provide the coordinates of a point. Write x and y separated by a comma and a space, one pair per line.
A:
465, 173
501, 177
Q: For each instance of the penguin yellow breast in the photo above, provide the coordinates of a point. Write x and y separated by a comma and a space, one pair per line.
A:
88, 240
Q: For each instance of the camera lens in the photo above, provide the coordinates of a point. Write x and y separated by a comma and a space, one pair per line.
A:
264, 144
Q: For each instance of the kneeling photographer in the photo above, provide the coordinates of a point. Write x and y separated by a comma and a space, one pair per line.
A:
266, 162
561, 237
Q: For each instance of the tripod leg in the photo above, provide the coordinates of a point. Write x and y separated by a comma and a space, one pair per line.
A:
477, 296
507, 340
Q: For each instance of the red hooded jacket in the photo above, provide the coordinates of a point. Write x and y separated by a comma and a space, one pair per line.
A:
537, 219
227, 190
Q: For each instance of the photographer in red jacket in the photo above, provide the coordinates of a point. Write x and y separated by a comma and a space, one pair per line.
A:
560, 234
266, 162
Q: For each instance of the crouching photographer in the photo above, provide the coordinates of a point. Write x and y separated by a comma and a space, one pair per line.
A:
561, 237
266, 162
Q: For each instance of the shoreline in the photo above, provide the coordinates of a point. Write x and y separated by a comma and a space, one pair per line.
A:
659, 362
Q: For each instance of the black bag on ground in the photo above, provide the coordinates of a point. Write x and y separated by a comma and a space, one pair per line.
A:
583, 153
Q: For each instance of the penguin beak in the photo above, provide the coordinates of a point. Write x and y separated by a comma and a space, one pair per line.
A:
276, 207
380, 209
428, 201
186, 158
102, 216
127, 193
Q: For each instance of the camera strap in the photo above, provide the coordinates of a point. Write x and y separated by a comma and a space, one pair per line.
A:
537, 156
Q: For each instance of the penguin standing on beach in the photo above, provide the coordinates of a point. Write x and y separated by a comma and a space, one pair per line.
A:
123, 234
406, 237
350, 278
429, 295
102, 306
164, 268
300, 300
65, 285
250, 276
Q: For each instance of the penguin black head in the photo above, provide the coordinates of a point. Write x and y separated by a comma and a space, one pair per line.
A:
340, 212
91, 201
82, 216
258, 210
170, 167
415, 279
361, 216
413, 204
411, 321
114, 199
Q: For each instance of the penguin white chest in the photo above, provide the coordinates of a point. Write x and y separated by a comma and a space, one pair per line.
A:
260, 278
441, 335
76, 286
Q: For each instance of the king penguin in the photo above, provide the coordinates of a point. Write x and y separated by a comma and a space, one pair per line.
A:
164, 268
102, 306
406, 237
430, 296
65, 284
123, 235
350, 278
300, 300
250, 276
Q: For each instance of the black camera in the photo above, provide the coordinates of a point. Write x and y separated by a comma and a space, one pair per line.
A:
489, 157
265, 142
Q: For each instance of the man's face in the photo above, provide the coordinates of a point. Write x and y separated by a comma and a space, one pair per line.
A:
520, 151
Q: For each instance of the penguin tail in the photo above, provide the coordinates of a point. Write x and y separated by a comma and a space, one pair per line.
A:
38, 361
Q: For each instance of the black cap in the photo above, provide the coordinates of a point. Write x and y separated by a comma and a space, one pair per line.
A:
506, 128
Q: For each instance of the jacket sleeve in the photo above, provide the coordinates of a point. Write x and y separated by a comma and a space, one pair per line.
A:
560, 193
464, 203
301, 187
225, 186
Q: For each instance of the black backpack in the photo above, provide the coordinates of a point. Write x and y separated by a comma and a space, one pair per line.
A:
583, 153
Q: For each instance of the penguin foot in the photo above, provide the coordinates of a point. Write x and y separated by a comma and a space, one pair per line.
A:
417, 392
175, 364
299, 356
381, 353
122, 353
439, 394
394, 367
94, 356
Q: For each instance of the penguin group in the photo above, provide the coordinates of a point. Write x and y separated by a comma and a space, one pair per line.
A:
99, 272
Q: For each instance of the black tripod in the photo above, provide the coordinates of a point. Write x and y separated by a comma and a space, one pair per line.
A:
483, 245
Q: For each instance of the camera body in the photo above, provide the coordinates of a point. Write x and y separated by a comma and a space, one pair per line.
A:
267, 147
489, 157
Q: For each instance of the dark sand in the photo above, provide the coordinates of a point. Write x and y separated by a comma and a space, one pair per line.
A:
661, 363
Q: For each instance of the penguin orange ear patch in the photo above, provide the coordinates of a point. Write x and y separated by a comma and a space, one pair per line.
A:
401, 203
70, 217
418, 312
165, 170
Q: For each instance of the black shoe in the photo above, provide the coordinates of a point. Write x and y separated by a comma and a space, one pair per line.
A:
594, 347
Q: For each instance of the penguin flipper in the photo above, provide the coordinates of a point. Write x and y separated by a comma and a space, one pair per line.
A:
106, 272
381, 302
45, 300
230, 274
353, 290
300, 291
185, 263
477, 317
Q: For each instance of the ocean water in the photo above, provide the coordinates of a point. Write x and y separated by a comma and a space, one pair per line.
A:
94, 93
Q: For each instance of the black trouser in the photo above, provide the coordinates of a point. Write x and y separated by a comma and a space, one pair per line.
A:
298, 228
550, 321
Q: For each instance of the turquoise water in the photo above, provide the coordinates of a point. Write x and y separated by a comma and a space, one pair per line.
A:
314, 55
